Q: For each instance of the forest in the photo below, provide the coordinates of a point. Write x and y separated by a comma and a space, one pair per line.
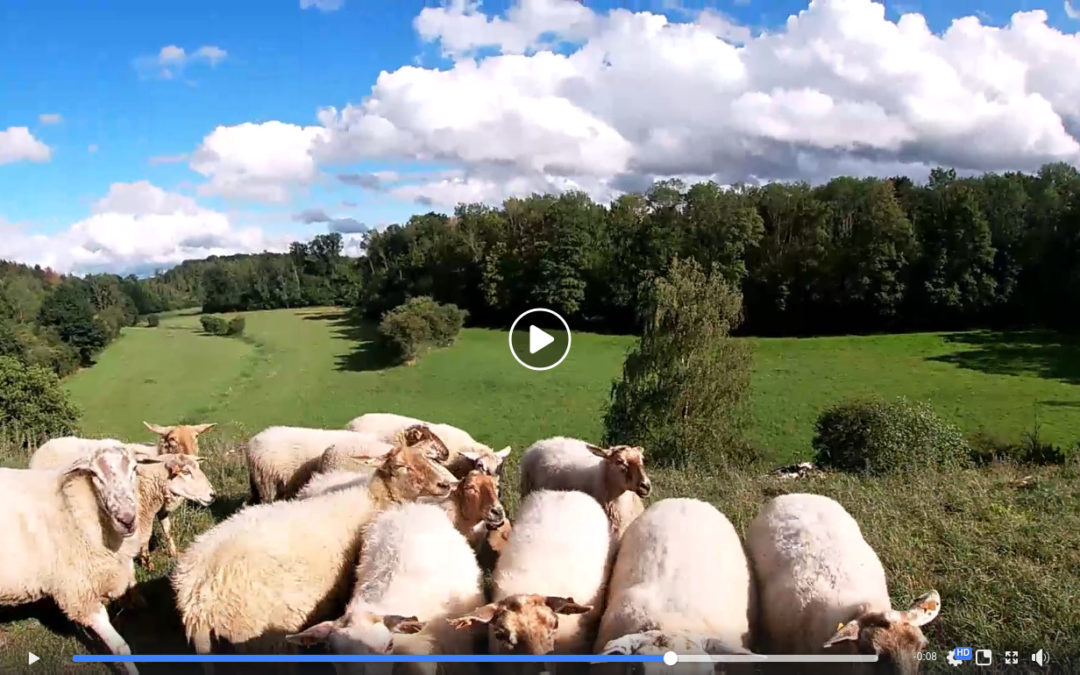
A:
852, 255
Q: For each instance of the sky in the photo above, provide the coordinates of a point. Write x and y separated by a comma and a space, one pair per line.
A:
135, 135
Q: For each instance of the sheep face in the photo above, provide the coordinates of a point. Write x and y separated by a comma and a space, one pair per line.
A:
187, 481
624, 469
182, 438
489, 462
421, 434
112, 473
894, 636
360, 633
413, 477
480, 500
521, 624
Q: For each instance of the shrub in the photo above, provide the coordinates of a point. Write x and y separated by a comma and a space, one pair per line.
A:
153, 320
877, 436
236, 326
683, 388
33, 404
1030, 449
214, 325
418, 324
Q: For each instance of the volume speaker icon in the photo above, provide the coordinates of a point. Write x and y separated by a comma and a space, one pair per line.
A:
1040, 657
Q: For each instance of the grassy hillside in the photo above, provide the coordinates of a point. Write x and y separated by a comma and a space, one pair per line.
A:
1002, 544
313, 368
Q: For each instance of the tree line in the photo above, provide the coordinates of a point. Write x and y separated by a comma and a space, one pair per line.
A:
851, 255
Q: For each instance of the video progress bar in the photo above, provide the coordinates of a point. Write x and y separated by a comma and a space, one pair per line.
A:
777, 658
373, 658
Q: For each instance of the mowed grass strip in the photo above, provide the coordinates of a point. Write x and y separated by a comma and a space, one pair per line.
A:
1004, 552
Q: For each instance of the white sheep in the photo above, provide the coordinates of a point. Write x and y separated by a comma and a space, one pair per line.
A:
343, 457
680, 572
821, 586
282, 459
163, 484
66, 534
550, 580
614, 476
271, 569
465, 452
415, 571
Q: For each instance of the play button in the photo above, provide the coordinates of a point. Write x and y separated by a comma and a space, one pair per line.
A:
32, 658
539, 339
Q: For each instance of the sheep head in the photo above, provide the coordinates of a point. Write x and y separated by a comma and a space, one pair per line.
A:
478, 500
182, 438
487, 460
422, 435
112, 473
521, 624
894, 636
624, 469
409, 475
187, 480
359, 633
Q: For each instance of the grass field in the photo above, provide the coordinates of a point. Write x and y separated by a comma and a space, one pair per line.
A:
1004, 553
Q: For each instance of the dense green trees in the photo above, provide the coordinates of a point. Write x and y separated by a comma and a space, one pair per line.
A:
849, 255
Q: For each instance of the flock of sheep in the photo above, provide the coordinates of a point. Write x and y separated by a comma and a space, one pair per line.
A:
374, 539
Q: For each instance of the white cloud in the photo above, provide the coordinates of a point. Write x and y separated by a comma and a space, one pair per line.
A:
171, 60
260, 162
322, 5
1070, 11
634, 96
50, 118
138, 227
18, 144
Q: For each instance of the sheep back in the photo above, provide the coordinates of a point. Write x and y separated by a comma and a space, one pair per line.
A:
814, 571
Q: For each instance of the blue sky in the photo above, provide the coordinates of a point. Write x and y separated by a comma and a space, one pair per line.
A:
103, 86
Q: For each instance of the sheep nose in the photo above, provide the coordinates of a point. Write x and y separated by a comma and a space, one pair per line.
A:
497, 514
644, 489
444, 485
127, 522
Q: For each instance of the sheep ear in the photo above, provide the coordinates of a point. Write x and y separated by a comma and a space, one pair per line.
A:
561, 605
848, 631
924, 610
504, 453
317, 634
615, 647
598, 451
159, 430
402, 624
471, 456
203, 428
80, 465
482, 614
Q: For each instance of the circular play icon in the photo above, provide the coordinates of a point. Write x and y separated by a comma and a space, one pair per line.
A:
539, 339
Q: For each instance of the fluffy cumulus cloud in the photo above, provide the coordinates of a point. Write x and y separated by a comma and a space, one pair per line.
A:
18, 144
632, 96
261, 162
50, 118
137, 227
171, 60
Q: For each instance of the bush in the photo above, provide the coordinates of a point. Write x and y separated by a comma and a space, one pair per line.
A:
33, 405
214, 325
1030, 449
153, 320
236, 326
418, 324
879, 437
683, 389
